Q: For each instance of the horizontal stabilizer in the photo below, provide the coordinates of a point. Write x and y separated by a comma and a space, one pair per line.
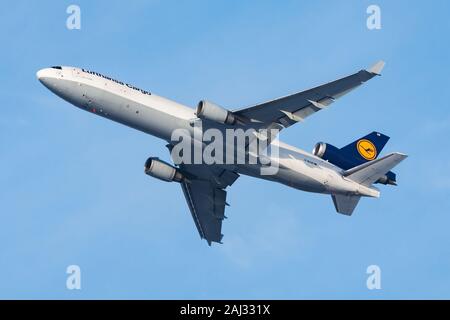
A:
369, 172
345, 204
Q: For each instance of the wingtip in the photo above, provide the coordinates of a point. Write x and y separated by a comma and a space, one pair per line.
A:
377, 67
401, 155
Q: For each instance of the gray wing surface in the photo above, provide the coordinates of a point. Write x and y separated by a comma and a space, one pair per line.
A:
206, 197
293, 108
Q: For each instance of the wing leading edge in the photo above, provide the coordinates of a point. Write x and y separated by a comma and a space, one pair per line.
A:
293, 108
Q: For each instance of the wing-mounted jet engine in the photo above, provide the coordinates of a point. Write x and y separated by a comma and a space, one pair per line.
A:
358, 152
210, 111
161, 170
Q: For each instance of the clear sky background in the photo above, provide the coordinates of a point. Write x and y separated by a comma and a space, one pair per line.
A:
73, 190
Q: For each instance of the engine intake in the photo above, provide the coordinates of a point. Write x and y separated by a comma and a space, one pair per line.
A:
210, 111
161, 170
332, 154
319, 149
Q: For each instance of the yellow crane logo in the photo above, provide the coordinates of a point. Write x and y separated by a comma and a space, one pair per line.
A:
366, 149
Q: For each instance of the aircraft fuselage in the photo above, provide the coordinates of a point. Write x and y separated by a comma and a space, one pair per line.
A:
158, 116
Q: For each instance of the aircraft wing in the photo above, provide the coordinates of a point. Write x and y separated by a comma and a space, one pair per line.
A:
291, 109
206, 197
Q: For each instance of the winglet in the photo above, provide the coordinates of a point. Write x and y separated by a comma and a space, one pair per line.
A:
377, 68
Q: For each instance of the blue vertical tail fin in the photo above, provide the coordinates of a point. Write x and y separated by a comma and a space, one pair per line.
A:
366, 148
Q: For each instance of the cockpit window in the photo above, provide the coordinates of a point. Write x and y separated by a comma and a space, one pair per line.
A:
57, 67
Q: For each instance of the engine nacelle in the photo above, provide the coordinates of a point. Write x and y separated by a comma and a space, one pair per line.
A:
388, 178
332, 154
210, 111
319, 149
162, 170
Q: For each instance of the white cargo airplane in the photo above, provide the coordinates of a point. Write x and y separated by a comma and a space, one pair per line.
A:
346, 174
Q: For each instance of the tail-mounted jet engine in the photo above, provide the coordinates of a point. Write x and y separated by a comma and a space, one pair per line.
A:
210, 111
162, 170
332, 154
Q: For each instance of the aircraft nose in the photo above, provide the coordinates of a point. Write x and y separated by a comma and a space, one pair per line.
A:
42, 74
39, 74
47, 77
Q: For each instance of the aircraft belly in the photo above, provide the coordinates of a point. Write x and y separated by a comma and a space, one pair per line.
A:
118, 108
301, 181
287, 177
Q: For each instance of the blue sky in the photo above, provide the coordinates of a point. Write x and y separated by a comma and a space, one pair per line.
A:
73, 191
